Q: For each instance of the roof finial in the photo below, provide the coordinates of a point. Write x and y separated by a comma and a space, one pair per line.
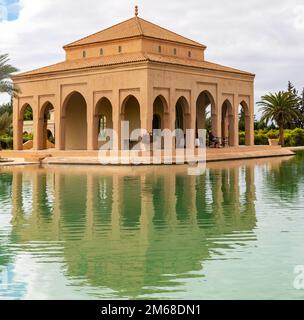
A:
136, 11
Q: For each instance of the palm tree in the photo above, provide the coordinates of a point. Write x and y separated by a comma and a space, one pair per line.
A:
281, 107
6, 71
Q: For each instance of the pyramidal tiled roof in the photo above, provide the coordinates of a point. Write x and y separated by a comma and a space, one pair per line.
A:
128, 58
134, 27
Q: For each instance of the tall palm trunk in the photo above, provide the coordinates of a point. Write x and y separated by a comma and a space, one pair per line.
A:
282, 140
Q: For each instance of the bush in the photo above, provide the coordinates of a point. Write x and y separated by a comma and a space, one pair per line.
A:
6, 142
293, 138
261, 137
273, 134
242, 138
27, 137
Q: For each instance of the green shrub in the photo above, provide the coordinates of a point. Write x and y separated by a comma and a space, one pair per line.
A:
293, 138
6, 142
27, 137
273, 134
242, 138
260, 137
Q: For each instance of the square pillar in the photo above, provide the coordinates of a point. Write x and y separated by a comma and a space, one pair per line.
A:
17, 126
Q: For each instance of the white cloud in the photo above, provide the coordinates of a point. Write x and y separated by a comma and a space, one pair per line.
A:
263, 37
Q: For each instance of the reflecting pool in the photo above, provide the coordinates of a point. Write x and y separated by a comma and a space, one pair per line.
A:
152, 232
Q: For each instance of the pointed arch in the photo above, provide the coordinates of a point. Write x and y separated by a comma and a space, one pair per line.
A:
160, 113
182, 114
206, 112
227, 123
75, 122
103, 119
244, 121
46, 126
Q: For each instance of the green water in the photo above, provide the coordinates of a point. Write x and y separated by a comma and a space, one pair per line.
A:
140, 233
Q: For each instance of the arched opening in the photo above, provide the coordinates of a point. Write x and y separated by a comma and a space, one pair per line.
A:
160, 113
182, 119
157, 123
75, 108
131, 114
47, 127
227, 124
244, 124
103, 121
205, 113
182, 114
26, 116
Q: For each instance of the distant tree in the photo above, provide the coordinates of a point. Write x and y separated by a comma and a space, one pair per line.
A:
6, 108
5, 123
299, 123
260, 125
280, 108
297, 100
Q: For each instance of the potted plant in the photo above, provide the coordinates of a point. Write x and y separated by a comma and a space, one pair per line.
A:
281, 108
273, 139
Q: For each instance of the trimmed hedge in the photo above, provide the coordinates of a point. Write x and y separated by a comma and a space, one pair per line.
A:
293, 138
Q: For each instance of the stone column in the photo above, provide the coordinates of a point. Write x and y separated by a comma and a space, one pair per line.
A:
17, 125
234, 123
59, 123
116, 118
217, 118
146, 110
37, 139
91, 138
172, 114
250, 123
192, 120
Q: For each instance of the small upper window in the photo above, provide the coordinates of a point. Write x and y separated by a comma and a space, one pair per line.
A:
84, 54
159, 49
189, 54
175, 51
101, 52
119, 49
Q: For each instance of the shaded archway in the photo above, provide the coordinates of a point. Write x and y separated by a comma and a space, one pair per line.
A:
47, 126
157, 123
75, 129
206, 113
130, 113
182, 121
227, 124
244, 123
182, 116
160, 113
103, 120
27, 127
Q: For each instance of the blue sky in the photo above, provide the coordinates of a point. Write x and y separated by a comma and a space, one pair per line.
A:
13, 8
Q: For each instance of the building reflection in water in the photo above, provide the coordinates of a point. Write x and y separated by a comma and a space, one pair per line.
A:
133, 230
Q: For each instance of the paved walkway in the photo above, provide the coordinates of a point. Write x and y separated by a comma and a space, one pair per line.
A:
91, 157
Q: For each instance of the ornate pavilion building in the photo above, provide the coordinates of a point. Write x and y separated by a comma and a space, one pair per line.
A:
138, 72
